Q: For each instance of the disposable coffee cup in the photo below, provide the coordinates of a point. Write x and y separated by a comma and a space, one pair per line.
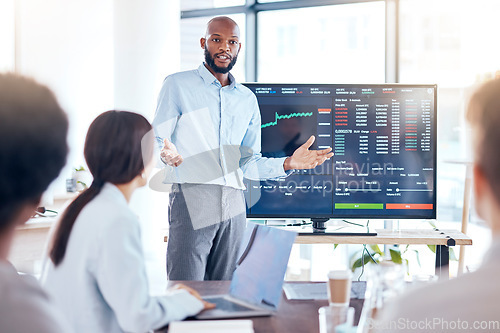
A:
339, 287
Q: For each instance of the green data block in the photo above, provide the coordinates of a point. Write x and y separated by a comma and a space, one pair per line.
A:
359, 206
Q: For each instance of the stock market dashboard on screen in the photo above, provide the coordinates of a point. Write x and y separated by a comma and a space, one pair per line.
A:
384, 143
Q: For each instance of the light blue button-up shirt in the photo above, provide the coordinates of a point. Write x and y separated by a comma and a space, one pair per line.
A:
216, 130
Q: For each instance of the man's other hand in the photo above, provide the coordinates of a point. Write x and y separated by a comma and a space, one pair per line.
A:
303, 158
169, 154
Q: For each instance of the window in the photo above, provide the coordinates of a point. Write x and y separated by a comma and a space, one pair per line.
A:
450, 43
266, 1
198, 4
328, 44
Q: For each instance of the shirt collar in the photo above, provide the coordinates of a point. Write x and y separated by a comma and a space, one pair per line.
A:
113, 191
209, 78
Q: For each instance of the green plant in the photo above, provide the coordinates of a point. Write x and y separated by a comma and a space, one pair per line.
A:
373, 253
452, 255
362, 257
400, 255
80, 169
83, 184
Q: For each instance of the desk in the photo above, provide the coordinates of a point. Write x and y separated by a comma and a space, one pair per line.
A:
441, 238
28, 244
30, 238
292, 316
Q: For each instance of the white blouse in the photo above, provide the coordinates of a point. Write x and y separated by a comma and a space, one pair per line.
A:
101, 284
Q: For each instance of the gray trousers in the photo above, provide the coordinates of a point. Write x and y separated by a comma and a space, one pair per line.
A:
206, 226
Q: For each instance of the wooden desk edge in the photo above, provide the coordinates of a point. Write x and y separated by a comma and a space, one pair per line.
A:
412, 237
387, 237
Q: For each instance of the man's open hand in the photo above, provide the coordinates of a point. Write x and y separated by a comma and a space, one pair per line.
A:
169, 154
303, 158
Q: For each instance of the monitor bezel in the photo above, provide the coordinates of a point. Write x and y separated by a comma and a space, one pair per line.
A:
361, 216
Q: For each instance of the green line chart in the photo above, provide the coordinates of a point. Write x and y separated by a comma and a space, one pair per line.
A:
286, 116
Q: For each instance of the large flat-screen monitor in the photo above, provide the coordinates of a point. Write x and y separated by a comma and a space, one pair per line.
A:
383, 138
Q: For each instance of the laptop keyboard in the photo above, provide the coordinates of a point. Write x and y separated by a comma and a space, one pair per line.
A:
226, 305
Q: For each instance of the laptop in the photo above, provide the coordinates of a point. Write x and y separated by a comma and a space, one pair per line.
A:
258, 279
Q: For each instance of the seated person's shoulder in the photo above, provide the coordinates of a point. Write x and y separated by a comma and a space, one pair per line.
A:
107, 212
106, 215
461, 297
12, 283
25, 307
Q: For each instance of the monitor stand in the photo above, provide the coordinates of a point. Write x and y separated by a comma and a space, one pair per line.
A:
318, 224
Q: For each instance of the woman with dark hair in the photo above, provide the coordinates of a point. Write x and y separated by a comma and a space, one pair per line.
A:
96, 273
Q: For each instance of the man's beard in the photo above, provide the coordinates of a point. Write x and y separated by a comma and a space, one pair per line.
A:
211, 63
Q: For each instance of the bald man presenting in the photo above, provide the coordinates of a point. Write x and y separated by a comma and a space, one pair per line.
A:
208, 127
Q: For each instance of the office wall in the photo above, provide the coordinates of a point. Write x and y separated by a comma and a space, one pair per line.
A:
98, 55
7, 34
68, 45
146, 45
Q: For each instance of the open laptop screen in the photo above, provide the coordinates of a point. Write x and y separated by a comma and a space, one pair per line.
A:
264, 254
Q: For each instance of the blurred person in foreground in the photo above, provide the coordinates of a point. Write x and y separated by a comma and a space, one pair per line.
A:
470, 302
97, 273
33, 150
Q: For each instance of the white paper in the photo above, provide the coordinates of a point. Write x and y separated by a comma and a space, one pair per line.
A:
211, 326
